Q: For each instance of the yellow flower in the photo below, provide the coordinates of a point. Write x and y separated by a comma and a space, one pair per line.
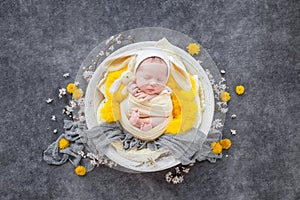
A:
239, 89
216, 147
70, 88
193, 48
63, 143
225, 96
225, 143
77, 93
80, 170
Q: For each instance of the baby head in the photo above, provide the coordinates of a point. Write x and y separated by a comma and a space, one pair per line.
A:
152, 75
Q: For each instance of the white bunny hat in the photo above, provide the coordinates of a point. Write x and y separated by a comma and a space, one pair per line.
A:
133, 58
148, 53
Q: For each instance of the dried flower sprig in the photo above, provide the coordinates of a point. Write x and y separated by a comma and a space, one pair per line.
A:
96, 160
219, 89
180, 172
110, 47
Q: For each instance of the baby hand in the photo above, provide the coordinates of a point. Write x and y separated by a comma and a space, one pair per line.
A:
140, 94
135, 118
132, 88
144, 96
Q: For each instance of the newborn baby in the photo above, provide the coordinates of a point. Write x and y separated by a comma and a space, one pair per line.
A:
150, 86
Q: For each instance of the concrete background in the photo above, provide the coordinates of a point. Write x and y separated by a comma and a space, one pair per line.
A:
256, 42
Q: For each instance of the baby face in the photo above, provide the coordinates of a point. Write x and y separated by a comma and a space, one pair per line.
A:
152, 75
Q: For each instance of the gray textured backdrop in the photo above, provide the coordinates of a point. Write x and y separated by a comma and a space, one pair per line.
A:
256, 42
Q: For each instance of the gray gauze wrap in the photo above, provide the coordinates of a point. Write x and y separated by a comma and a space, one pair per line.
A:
188, 147
55, 156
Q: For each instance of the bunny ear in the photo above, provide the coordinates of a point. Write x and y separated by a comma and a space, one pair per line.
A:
180, 74
118, 62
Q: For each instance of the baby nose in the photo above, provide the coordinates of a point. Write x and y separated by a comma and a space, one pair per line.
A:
153, 84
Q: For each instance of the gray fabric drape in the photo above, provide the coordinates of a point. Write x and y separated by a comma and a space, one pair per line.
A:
188, 147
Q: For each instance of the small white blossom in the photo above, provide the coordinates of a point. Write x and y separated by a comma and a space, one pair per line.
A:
224, 110
169, 177
101, 53
94, 163
223, 71
66, 75
177, 170
81, 153
186, 170
87, 75
62, 92
53, 118
233, 132
177, 179
55, 131
72, 103
111, 47
49, 100
233, 116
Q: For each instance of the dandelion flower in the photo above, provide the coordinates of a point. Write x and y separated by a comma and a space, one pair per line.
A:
225, 96
193, 48
225, 143
77, 93
63, 143
239, 89
80, 170
216, 147
70, 88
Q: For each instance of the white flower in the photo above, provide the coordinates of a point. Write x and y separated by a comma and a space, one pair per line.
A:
177, 179
177, 170
81, 153
111, 47
49, 100
233, 132
168, 177
101, 53
224, 110
66, 75
53, 118
94, 163
62, 92
223, 71
72, 103
87, 75
55, 131
186, 170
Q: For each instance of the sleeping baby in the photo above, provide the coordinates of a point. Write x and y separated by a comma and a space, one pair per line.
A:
148, 107
150, 101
